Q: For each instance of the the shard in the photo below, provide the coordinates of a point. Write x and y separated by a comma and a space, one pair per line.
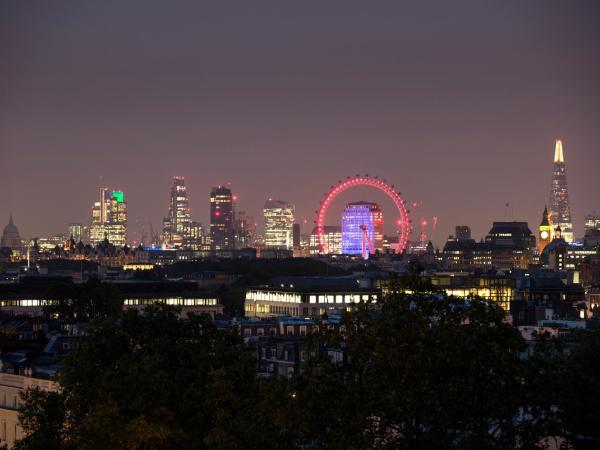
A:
560, 211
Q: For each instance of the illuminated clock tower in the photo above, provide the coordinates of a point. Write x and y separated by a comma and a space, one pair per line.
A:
545, 232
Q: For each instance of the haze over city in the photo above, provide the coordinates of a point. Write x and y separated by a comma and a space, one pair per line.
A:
333, 224
457, 104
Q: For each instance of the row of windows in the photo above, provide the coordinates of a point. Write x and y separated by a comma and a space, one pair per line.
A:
290, 330
27, 302
347, 298
285, 297
128, 302
176, 301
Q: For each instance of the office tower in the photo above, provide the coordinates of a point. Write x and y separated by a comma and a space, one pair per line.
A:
11, 237
76, 232
463, 232
296, 235
357, 226
109, 219
222, 234
355, 216
194, 236
332, 240
545, 232
377, 226
245, 228
178, 219
279, 223
560, 211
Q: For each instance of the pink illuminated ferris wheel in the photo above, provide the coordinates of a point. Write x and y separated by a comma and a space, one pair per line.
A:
402, 223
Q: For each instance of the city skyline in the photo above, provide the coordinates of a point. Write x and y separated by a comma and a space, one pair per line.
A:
306, 222
470, 100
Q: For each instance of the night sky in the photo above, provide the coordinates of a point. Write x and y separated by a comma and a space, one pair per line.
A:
456, 103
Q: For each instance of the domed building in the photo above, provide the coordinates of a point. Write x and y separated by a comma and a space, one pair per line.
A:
10, 236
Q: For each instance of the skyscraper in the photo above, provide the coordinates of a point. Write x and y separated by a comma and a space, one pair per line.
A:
76, 232
109, 219
222, 233
560, 211
354, 216
245, 228
194, 236
176, 226
332, 238
279, 223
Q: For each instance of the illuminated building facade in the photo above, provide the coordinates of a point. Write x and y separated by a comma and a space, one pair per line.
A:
222, 233
306, 297
562, 255
279, 224
49, 243
195, 237
332, 236
245, 230
508, 245
109, 219
560, 210
545, 232
177, 222
77, 231
356, 215
354, 218
498, 289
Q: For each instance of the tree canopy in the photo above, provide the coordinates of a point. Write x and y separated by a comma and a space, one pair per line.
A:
417, 371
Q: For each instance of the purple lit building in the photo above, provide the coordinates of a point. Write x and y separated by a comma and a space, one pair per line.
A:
354, 216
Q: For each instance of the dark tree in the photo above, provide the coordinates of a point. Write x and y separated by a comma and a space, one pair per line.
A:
152, 381
44, 421
419, 371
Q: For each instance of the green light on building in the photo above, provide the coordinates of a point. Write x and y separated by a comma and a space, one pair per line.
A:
118, 196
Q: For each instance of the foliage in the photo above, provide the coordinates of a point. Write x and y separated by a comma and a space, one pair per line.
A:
417, 371
43, 418
87, 302
408, 382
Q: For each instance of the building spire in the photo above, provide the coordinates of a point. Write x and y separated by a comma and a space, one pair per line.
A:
545, 221
558, 152
10, 220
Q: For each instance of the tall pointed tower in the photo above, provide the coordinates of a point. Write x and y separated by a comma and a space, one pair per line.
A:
559, 196
545, 232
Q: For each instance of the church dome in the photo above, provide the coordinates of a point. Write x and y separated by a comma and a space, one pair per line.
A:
10, 236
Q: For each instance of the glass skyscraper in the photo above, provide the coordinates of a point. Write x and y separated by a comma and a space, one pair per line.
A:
279, 224
109, 219
176, 226
560, 210
222, 233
